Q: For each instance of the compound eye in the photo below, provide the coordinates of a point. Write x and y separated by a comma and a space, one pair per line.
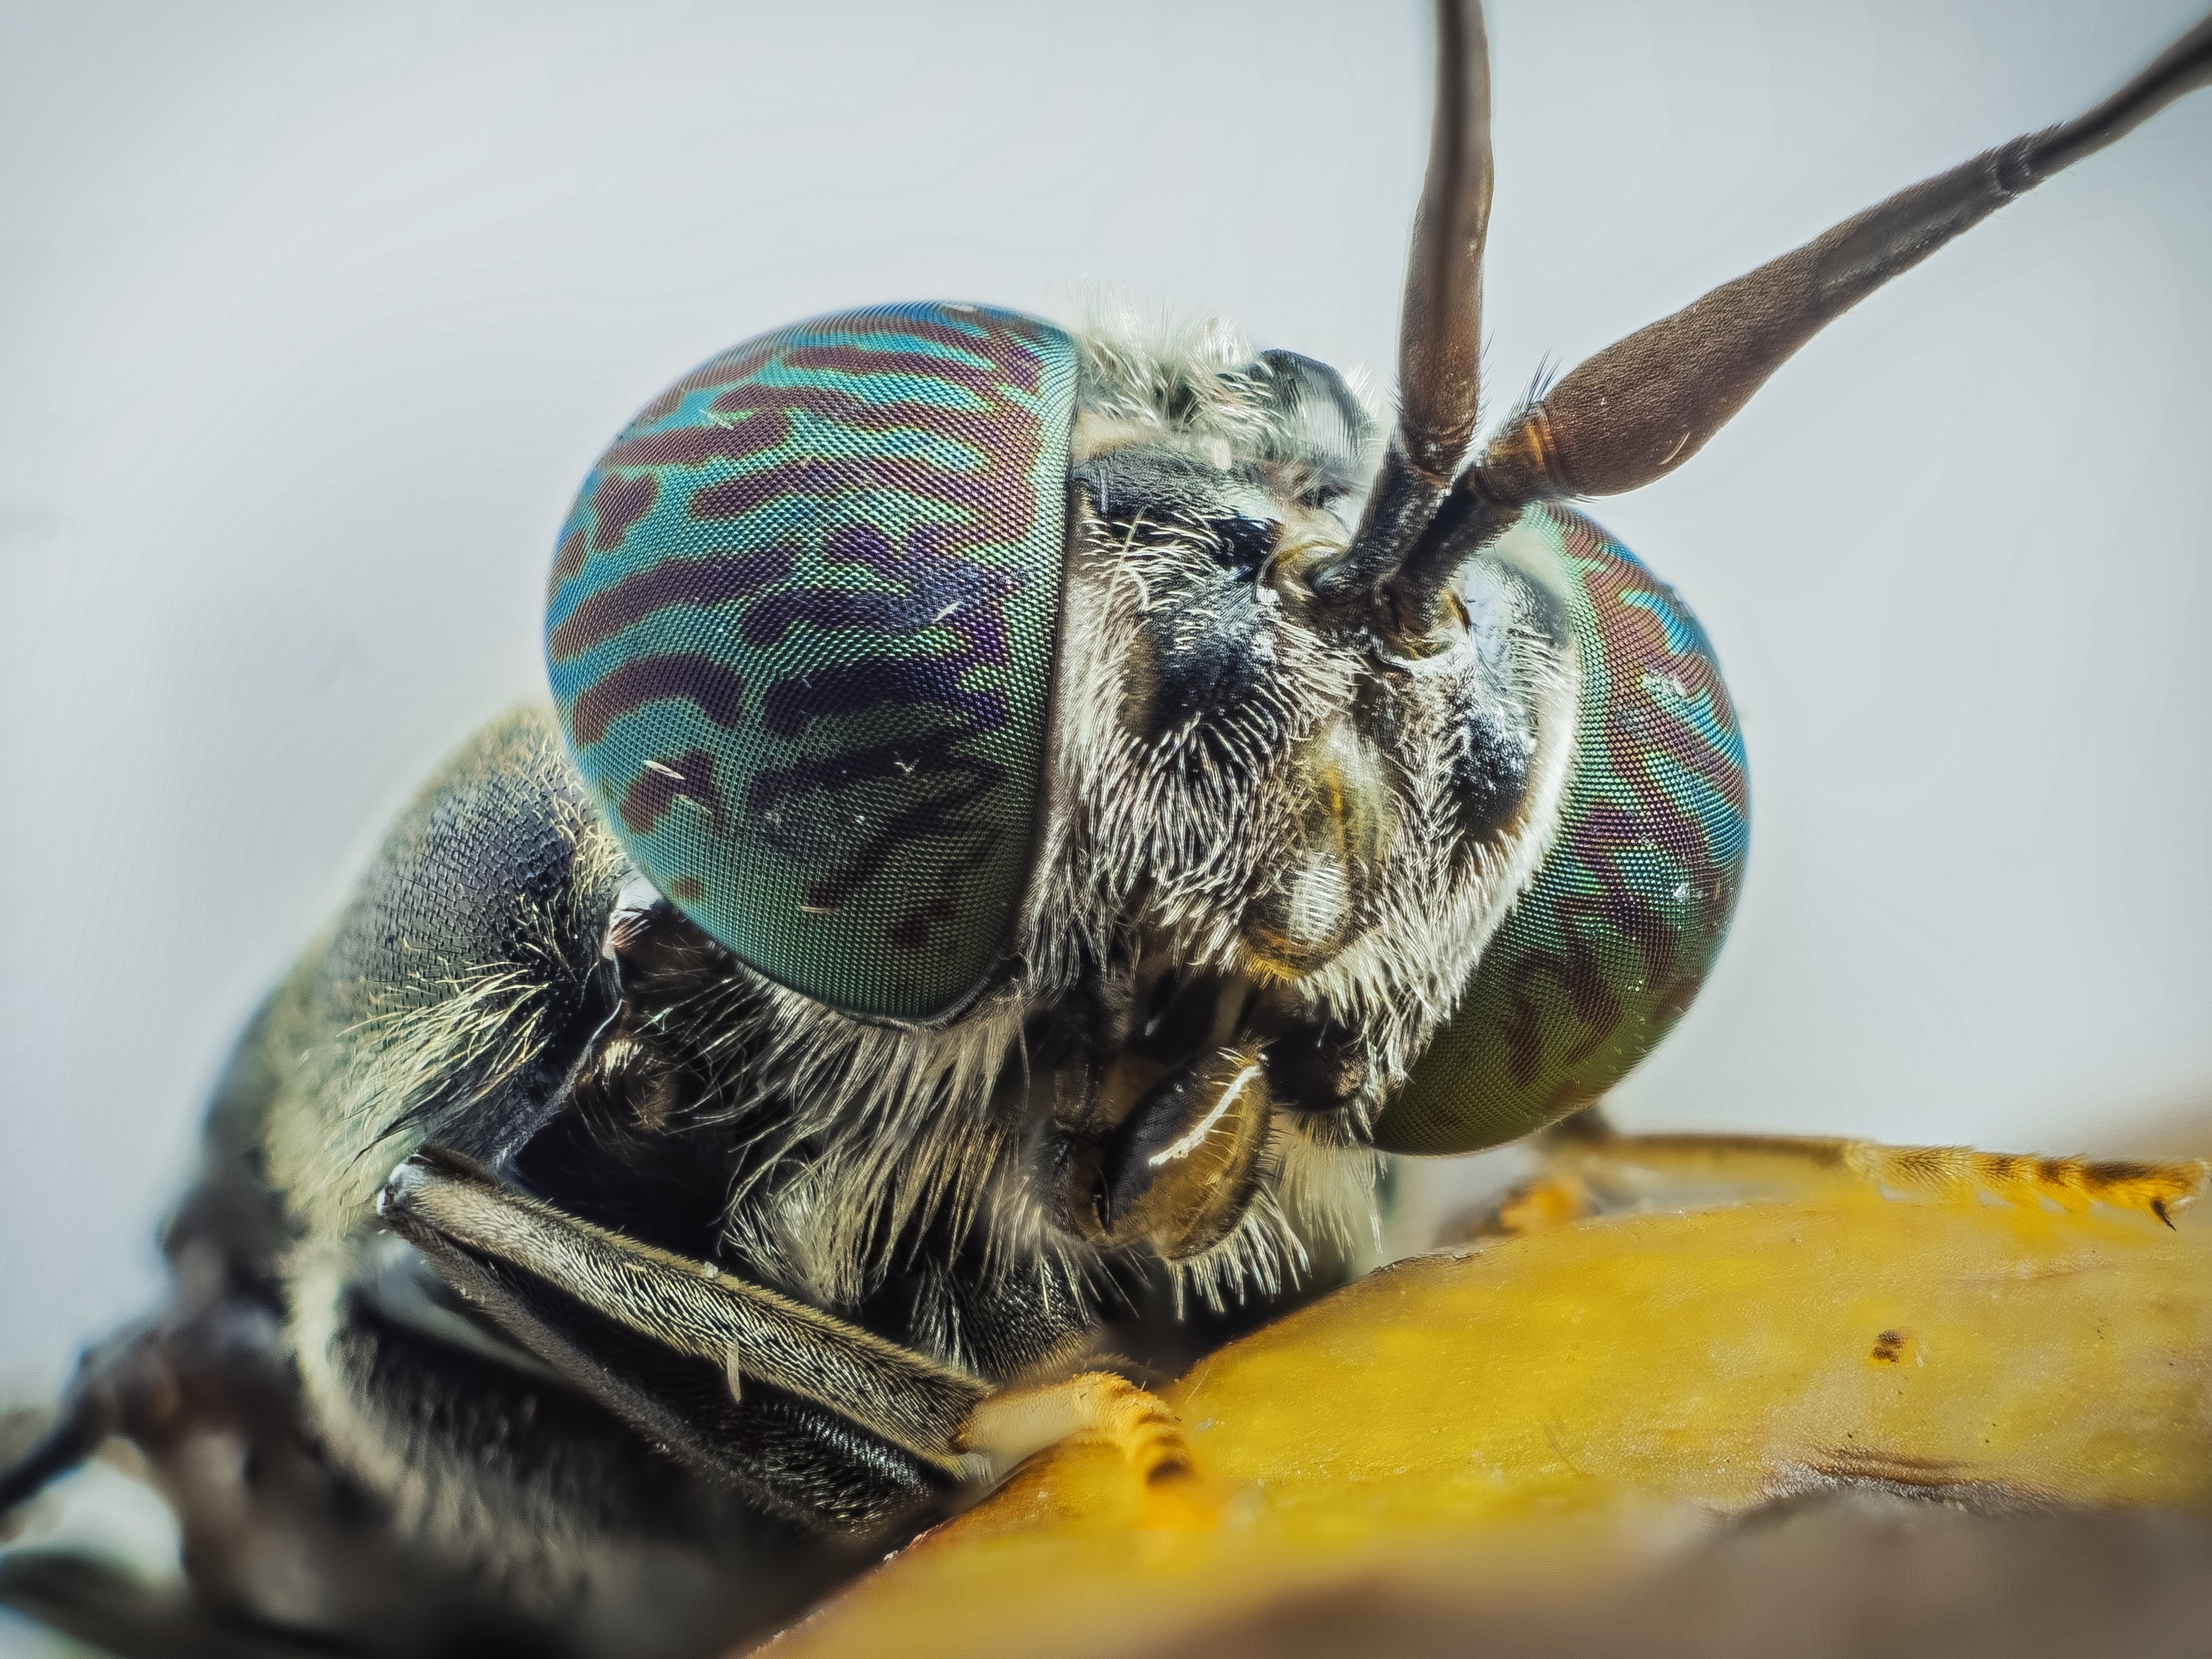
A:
800, 632
1603, 951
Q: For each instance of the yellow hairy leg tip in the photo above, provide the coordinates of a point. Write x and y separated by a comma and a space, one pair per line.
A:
1783, 1166
2160, 1190
1106, 1409
1559, 1407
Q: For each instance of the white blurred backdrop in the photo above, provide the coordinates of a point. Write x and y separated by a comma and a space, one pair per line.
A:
312, 316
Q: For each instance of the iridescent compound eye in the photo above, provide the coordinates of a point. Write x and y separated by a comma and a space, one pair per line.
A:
800, 633
1602, 953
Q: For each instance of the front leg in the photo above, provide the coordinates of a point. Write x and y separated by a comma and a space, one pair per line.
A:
1015, 1422
674, 1346
1589, 1168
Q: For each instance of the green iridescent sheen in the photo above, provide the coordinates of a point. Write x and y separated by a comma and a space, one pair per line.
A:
1600, 956
800, 636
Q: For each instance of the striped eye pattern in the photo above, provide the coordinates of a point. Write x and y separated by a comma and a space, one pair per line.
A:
800, 633
1604, 951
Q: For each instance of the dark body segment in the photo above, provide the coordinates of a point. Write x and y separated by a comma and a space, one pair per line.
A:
436, 1453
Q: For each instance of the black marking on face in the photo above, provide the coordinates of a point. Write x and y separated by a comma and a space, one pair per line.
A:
1490, 770
1205, 658
1497, 732
1316, 1065
1131, 489
1177, 1016
1204, 663
940, 1288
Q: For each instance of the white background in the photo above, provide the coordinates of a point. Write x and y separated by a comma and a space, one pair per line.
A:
312, 316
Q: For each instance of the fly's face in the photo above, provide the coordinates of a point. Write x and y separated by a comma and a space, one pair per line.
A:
1273, 784
977, 684
1276, 837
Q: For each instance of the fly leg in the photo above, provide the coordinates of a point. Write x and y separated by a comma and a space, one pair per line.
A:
1590, 1169
1107, 1409
277, 1548
561, 1286
813, 1416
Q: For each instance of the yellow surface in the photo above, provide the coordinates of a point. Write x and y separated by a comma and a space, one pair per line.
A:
1538, 1406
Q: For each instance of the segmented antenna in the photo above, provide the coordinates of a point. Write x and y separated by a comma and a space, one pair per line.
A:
1440, 326
1645, 404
